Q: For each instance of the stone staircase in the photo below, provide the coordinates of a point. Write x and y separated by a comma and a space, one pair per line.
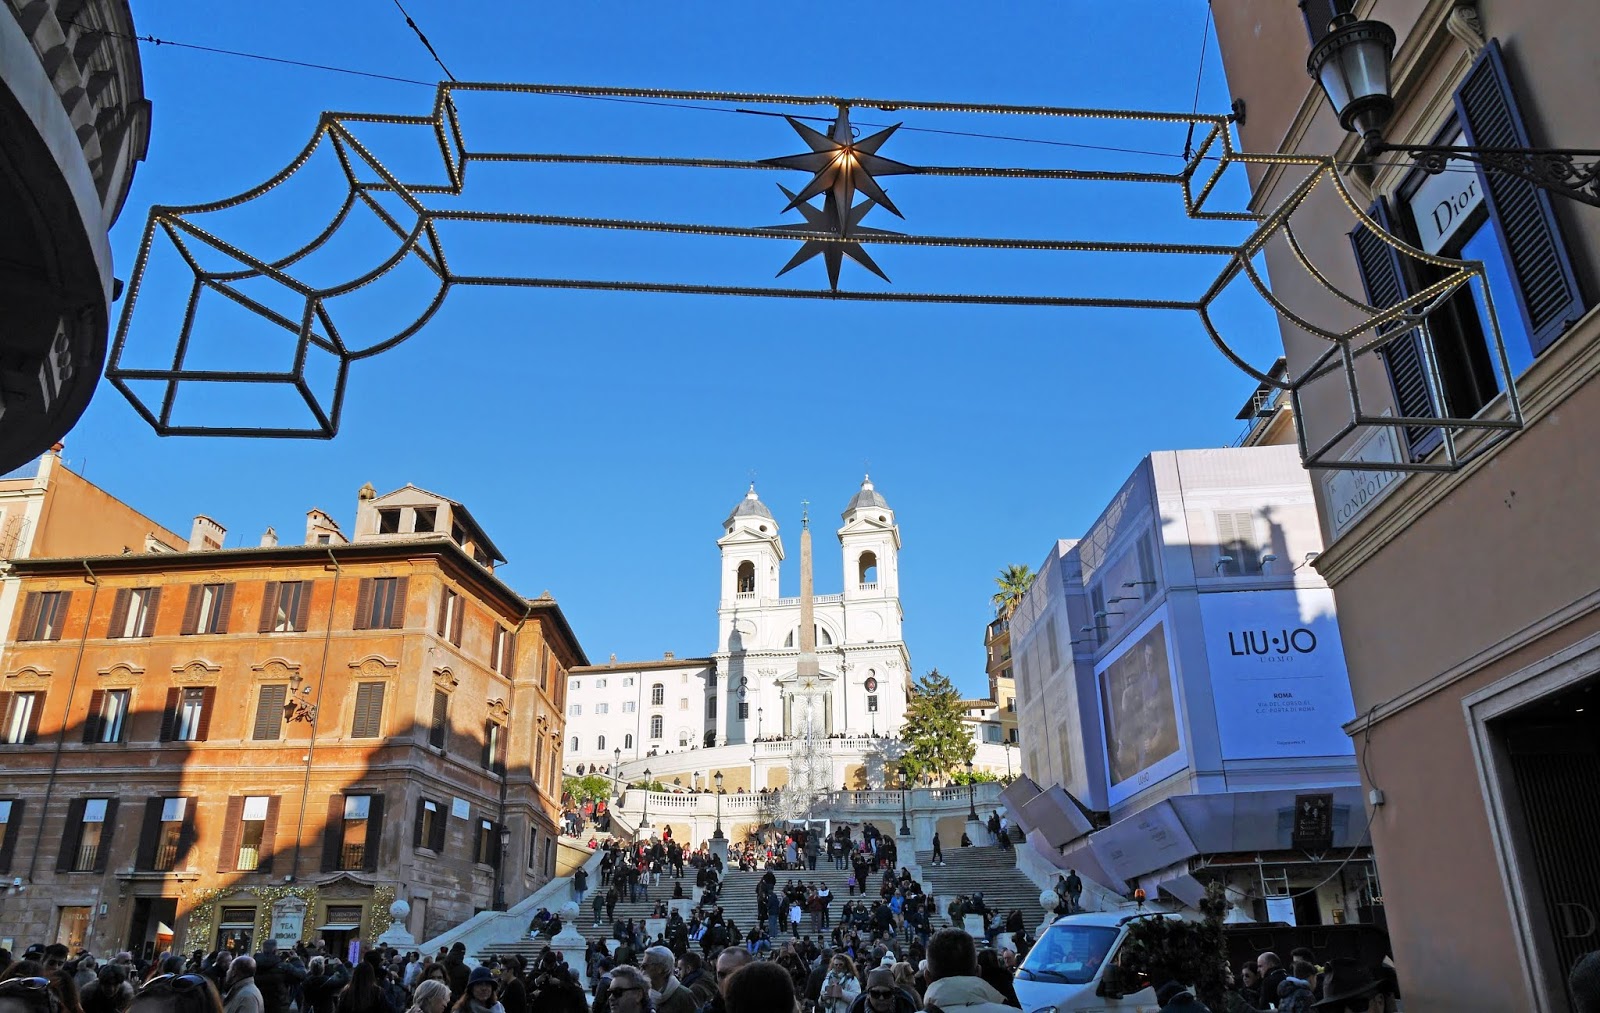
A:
987, 869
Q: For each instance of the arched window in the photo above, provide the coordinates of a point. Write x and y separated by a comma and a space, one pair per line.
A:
824, 638
627, 741
658, 695
574, 743
655, 727
869, 571
601, 745
747, 577
683, 738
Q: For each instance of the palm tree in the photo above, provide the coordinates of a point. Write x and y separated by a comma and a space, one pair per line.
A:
1014, 582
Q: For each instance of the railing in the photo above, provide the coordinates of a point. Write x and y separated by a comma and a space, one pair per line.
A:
882, 800
745, 596
819, 599
868, 585
87, 854
353, 857
249, 860
166, 857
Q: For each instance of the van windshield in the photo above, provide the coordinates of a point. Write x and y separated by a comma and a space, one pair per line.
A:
1070, 954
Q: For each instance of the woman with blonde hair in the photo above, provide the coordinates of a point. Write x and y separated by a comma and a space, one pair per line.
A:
432, 996
905, 976
840, 985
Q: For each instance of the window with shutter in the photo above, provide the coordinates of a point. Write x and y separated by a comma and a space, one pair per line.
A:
43, 614
269, 713
1236, 537
368, 721
439, 730
10, 828
22, 717
1097, 603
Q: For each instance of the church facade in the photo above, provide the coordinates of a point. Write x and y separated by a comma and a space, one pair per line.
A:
770, 678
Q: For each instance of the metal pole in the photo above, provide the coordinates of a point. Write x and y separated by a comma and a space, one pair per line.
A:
905, 829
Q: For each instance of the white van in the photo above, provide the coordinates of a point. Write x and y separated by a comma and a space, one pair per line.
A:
1066, 969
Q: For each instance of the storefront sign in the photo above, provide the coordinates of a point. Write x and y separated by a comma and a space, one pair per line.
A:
460, 808
1443, 203
1313, 822
1278, 676
1350, 494
288, 920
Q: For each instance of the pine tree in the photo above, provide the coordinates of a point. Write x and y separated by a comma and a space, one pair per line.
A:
937, 740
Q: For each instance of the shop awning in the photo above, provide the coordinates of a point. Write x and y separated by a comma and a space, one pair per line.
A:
337, 927
163, 929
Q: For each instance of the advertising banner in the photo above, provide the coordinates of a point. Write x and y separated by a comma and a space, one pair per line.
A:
1277, 673
1139, 711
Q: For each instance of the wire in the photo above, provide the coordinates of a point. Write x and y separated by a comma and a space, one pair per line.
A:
431, 51
1205, 39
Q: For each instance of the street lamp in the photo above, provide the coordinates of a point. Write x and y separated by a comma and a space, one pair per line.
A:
616, 769
717, 836
905, 783
1008, 759
1352, 63
644, 817
758, 724
972, 796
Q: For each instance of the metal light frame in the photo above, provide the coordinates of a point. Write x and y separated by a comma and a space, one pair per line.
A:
428, 205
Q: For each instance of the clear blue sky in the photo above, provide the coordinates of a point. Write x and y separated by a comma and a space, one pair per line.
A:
602, 438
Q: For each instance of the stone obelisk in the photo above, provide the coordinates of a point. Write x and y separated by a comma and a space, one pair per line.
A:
806, 668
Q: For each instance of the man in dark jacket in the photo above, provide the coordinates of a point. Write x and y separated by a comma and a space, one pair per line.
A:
455, 968
1173, 996
1270, 967
276, 977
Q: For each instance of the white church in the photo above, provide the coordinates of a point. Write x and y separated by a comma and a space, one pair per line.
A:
771, 680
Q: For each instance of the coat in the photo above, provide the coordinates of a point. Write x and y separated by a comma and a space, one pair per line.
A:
1295, 996
276, 978
244, 997
965, 992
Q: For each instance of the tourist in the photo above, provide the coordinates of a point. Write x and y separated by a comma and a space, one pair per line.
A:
243, 996
938, 851
667, 993
627, 991
840, 986
952, 975
761, 987
480, 994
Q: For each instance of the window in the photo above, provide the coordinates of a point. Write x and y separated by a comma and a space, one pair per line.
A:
868, 570
627, 681
1011, 705
599, 684
389, 522
629, 706
108, 716
22, 718
207, 609
167, 834
451, 611
324, 539
487, 849
381, 603
991, 733
577, 684
1505, 222
602, 708
1052, 643
1236, 539
574, 743
352, 833
533, 847
503, 654
86, 842
10, 823
490, 760
269, 713
601, 744
43, 613
423, 519
711, 708
744, 710
431, 822
658, 695
1147, 567
368, 720
1097, 605
655, 727
872, 704
747, 578
574, 710
286, 607
627, 741
683, 738
133, 612
683, 703
439, 730
75, 920
248, 834
1013, 738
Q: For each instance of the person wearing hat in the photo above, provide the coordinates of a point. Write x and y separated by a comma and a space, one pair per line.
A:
882, 995
1173, 996
480, 996
1346, 985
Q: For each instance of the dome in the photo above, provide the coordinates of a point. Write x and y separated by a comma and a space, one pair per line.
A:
867, 499
750, 506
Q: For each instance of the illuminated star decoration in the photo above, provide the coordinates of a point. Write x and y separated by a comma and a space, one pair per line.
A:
842, 164
826, 220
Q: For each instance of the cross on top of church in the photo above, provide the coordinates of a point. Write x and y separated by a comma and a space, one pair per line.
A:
805, 512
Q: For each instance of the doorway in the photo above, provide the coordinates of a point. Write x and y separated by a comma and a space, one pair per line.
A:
150, 931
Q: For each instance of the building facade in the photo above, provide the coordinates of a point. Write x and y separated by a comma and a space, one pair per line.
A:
751, 688
210, 747
1468, 599
1178, 666
74, 123
1001, 674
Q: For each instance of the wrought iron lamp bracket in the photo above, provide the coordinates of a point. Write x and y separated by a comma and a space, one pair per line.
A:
1570, 173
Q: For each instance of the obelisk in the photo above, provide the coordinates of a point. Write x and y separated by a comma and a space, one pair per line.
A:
807, 665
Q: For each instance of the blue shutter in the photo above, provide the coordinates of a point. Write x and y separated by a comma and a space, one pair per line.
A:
1383, 274
1524, 219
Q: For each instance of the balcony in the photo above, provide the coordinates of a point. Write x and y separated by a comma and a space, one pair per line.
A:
249, 860
745, 596
87, 855
868, 585
166, 857
353, 857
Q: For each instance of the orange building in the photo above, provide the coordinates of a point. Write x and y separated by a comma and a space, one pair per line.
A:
216, 746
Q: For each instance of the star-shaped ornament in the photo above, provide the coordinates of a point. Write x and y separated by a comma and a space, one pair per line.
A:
842, 164
826, 220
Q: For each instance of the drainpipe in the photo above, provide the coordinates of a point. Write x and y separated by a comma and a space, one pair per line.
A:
316, 715
61, 736
505, 775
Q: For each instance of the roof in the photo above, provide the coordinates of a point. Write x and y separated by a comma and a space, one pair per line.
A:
1265, 393
210, 559
750, 506
868, 498
458, 513
641, 666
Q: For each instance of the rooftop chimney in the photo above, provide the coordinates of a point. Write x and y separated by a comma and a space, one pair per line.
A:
206, 534
269, 538
668, 655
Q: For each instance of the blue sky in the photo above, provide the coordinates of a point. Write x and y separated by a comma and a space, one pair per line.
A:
601, 438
